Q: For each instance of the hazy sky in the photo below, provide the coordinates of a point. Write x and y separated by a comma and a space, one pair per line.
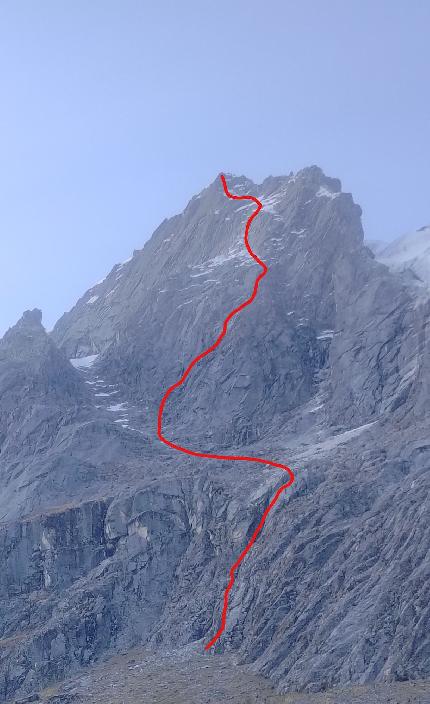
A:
113, 114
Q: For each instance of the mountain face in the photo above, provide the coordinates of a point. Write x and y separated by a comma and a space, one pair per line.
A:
110, 540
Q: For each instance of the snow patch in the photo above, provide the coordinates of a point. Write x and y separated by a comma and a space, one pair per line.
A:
83, 362
408, 376
97, 283
324, 192
273, 200
316, 408
122, 264
410, 252
340, 439
203, 273
117, 407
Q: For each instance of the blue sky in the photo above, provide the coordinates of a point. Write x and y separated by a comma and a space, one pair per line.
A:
113, 114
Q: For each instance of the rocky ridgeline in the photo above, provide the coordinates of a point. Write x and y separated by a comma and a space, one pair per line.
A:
110, 540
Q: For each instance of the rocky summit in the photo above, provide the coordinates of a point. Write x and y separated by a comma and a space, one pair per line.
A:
111, 541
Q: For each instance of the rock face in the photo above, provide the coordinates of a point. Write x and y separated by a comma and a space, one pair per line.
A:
109, 540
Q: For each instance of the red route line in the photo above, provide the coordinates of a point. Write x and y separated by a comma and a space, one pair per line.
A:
241, 458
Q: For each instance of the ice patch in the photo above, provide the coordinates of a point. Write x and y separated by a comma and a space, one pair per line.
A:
92, 300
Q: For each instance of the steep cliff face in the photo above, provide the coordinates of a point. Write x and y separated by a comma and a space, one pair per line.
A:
109, 539
170, 299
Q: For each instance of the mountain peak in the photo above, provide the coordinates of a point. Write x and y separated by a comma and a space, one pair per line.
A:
32, 318
315, 175
206, 239
28, 326
329, 369
237, 184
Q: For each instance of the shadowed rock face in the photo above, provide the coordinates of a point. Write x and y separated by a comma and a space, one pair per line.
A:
109, 540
